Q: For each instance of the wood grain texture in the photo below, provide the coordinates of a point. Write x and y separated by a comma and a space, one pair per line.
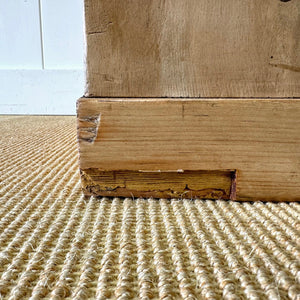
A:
258, 138
180, 184
195, 48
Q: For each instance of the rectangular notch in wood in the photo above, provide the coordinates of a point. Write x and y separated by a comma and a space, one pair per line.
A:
173, 184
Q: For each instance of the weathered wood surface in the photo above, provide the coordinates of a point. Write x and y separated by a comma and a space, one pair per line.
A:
194, 48
172, 184
258, 138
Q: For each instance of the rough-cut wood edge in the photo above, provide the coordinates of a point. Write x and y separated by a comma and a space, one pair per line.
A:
275, 121
220, 184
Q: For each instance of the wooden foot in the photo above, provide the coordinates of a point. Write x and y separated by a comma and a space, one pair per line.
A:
243, 149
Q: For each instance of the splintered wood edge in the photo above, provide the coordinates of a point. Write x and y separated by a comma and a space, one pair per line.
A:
259, 138
181, 184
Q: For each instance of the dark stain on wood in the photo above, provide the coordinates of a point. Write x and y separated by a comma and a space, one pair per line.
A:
286, 67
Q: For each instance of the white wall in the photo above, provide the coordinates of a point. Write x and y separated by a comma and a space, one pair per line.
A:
41, 56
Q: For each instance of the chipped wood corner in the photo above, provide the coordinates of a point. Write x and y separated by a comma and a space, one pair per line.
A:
88, 127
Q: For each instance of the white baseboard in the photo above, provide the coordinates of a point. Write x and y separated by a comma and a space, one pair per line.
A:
45, 92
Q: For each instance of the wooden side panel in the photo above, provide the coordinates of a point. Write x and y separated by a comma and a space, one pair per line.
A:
195, 48
258, 138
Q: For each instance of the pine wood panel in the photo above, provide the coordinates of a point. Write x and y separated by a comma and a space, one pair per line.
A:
258, 138
194, 48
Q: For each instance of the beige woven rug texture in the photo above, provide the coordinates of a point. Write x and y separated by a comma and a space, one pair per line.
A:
55, 243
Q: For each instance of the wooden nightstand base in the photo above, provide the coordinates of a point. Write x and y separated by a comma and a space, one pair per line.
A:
243, 149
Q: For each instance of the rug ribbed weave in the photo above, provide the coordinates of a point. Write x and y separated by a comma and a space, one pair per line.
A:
55, 243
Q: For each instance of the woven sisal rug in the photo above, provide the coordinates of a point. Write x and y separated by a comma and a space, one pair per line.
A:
55, 243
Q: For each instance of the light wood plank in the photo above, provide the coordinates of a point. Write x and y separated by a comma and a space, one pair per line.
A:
194, 48
258, 138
